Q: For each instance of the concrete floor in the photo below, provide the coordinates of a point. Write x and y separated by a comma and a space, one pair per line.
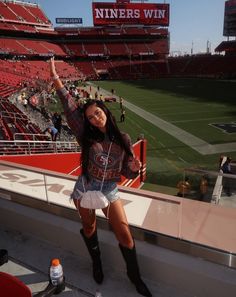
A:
29, 260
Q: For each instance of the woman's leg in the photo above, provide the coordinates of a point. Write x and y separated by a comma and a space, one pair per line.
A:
89, 235
88, 219
117, 219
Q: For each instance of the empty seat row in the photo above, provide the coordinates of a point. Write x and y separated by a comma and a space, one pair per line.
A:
30, 47
23, 12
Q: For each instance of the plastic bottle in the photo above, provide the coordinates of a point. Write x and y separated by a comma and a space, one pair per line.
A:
56, 272
98, 293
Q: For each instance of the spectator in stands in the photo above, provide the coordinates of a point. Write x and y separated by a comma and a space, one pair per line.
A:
184, 187
53, 132
57, 122
226, 168
25, 103
140, 137
121, 101
44, 112
122, 116
204, 188
220, 161
97, 132
19, 99
23, 95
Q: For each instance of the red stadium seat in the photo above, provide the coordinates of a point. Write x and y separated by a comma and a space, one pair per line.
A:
11, 286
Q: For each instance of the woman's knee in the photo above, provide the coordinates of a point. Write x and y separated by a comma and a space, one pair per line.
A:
88, 219
125, 238
127, 243
89, 226
89, 230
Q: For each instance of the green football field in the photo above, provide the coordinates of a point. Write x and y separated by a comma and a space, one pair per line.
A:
193, 105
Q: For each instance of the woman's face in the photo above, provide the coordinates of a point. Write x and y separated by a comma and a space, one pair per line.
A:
96, 117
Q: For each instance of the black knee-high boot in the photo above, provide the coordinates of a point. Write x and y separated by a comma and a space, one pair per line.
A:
94, 251
133, 270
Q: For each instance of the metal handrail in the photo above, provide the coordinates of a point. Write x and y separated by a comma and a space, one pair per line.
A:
29, 134
30, 147
218, 185
10, 114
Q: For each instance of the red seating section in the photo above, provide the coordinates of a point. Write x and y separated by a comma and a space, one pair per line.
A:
116, 48
94, 49
39, 14
14, 121
30, 47
15, 73
136, 48
7, 13
23, 12
202, 65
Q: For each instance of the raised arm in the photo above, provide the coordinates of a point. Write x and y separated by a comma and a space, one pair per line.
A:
56, 79
73, 115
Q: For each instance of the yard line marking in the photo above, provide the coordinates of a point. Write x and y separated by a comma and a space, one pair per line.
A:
181, 159
198, 120
172, 152
145, 132
161, 144
172, 164
154, 138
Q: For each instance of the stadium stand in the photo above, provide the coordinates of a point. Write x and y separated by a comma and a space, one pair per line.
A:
94, 49
28, 40
74, 49
23, 12
227, 46
116, 49
135, 31
30, 47
7, 13
138, 48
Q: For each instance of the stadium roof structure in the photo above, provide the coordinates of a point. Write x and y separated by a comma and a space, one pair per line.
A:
226, 46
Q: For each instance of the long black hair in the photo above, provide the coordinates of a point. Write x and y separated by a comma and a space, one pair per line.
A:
92, 134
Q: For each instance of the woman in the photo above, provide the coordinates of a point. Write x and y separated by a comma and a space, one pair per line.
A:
96, 131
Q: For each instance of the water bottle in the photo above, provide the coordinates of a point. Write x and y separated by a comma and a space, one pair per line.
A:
56, 272
98, 293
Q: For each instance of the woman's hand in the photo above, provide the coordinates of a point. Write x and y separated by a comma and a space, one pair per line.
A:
53, 68
135, 164
55, 77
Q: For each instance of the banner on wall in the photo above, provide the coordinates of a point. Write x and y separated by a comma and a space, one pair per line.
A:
69, 20
130, 14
